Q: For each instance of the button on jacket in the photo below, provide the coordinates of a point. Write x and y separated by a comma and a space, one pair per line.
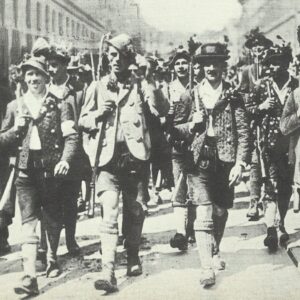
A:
129, 114
56, 130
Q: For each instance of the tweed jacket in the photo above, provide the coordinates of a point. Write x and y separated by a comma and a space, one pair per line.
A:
231, 129
55, 124
290, 126
269, 121
131, 100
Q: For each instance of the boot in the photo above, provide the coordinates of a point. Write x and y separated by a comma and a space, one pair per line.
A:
207, 277
179, 241
28, 286
253, 212
134, 267
107, 281
52, 270
218, 263
271, 240
283, 236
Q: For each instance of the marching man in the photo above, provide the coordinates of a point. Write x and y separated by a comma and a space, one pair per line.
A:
39, 130
220, 150
119, 103
266, 104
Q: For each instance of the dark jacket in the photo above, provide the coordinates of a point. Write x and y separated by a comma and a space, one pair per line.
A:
56, 146
231, 128
269, 121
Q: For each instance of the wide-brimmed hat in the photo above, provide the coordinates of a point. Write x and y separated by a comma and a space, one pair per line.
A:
180, 53
277, 52
40, 48
60, 51
39, 63
216, 51
123, 43
257, 38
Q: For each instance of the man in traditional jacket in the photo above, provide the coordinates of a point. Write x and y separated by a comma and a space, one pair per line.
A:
257, 44
266, 104
119, 102
39, 129
219, 137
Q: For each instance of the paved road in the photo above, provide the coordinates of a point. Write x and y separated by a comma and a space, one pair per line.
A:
251, 273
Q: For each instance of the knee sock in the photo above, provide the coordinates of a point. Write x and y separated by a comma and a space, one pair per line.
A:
205, 244
29, 252
180, 216
270, 214
109, 246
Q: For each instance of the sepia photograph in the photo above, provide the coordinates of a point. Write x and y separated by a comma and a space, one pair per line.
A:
150, 149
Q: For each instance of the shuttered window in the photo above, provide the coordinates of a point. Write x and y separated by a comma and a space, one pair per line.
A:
60, 24
16, 12
53, 21
28, 14
47, 18
38, 16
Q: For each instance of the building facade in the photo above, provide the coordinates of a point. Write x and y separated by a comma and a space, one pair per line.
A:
22, 21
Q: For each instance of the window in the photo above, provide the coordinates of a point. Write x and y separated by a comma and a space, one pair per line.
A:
67, 26
47, 17
38, 16
16, 13
73, 28
92, 35
83, 31
78, 30
2, 12
28, 13
60, 24
53, 21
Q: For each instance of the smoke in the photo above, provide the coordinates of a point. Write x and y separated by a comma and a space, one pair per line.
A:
188, 16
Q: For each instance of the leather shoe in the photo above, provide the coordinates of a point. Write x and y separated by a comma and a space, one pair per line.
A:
28, 286
283, 236
107, 281
207, 277
52, 270
179, 241
271, 240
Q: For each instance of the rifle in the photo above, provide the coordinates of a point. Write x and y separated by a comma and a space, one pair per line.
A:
93, 66
261, 154
7, 201
101, 127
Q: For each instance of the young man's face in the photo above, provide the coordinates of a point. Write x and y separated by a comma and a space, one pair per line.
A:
278, 66
57, 69
196, 69
181, 67
36, 81
117, 61
213, 70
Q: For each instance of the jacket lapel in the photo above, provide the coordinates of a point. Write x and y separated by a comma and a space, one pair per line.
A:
123, 92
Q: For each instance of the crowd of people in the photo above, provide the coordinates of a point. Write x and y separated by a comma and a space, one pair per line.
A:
192, 124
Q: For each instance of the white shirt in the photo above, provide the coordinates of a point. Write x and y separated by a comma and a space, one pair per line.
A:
283, 91
58, 90
34, 106
208, 94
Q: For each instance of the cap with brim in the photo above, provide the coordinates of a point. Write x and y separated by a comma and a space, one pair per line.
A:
179, 55
122, 43
258, 41
215, 51
38, 63
277, 57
